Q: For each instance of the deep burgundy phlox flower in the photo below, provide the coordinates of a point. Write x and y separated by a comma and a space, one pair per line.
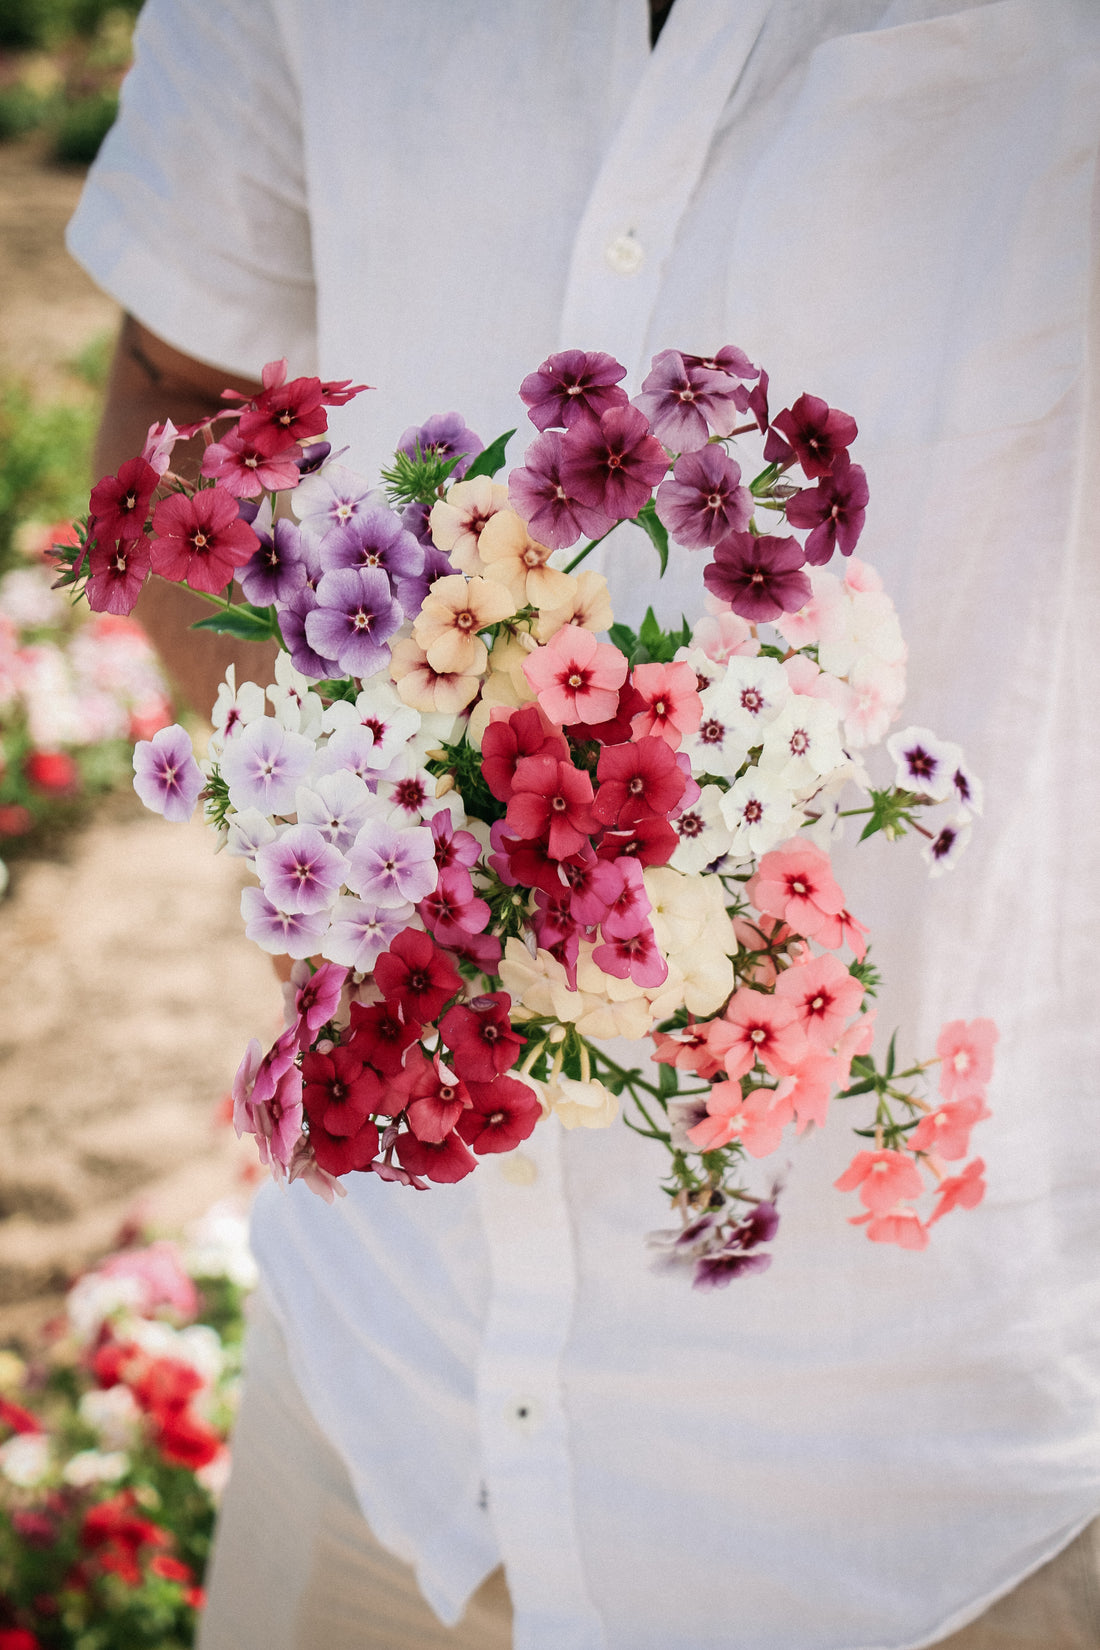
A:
293, 411
718, 1270
416, 976
703, 500
444, 434
480, 1036
760, 1226
339, 1091
618, 730
503, 1113
201, 540
637, 781
380, 1036
686, 403
120, 503
613, 465
570, 384
117, 569
552, 799
552, 920
443, 1161
341, 1153
538, 493
834, 509
729, 359
509, 738
525, 864
278, 568
759, 577
815, 433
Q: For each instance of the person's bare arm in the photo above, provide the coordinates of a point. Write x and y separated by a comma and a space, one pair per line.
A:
149, 382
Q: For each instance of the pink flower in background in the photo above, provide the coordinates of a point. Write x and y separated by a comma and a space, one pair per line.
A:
166, 776
730, 1116
766, 1029
945, 1132
805, 1093
966, 1051
159, 1270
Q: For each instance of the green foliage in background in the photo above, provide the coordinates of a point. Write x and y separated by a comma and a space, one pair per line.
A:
67, 58
43, 25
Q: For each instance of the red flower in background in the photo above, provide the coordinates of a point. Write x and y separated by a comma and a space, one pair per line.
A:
52, 773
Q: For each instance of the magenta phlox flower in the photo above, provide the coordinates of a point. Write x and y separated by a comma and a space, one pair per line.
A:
333, 497
120, 503
671, 703
200, 541
571, 384
628, 912
729, 359
575, 677
702, 500
166, 776
593, 886
444, 434
264, 764
317, 999
536, 491
301, 870
392, 865
633, 956
282, 933
552, 799
759, 577
354, 618
815, 433
452, 847
246, 468
338, 804
834, 510
117, 570
292, 624
277, 570
291, 409
453, 911
243, 1083
637, 781
361, 930
686, 403
374, 537
613, 466
277, 1121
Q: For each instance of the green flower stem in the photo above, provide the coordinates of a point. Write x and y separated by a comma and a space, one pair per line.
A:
579, 557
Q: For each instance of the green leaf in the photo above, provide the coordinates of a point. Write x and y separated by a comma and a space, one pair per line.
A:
667, 1081
890, 1057
651, 636
647, 519
247, 623
624, 638
337, 687
763, 483
489, 461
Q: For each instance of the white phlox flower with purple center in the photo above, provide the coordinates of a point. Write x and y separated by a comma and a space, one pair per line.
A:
411, 799
299, 710
968, 790
248, 831
943, 851
802, 745
378, 709
349, 751
339, 804
234, 708
703, 832
392, 865
282, 933
759, 812
750, 695
361, 930
300, 871
264, 766
924, 763
166, 776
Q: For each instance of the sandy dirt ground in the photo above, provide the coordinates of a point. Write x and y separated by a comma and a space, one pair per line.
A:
127, 989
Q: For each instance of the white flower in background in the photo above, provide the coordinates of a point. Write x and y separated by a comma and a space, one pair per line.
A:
217, 1246
924, 763
703, 832
25, 1459
114, 1413
759, 812
708, 672
750, 695
93, 1466
29, 601
968, 790
95, 1297
198, 1345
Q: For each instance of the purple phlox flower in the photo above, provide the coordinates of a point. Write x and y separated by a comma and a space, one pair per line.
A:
354, 617
277, 569
445, 434
571, 384
374, 538
337, 803
249, 830
390, 865
924, 763
756, 402
834, 509
685, 404
814, 432
612, 466
759, 1226
300, 870
292, 624
413, 588
311, 458
538, 494
702, 500
264, 765
361, 930
166, 776
759, 577
729, 359
317, 999
332, 497
414, 519
282, 933
717, 1270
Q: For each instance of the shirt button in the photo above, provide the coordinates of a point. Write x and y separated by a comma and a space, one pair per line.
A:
523, 1413
624, 254
518, 1169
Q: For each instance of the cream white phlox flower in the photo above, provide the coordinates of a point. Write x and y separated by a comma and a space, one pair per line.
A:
93, 1466
25, 1459
802, 745
587, 604
759, 812
457, 521
580, 1105
703, 832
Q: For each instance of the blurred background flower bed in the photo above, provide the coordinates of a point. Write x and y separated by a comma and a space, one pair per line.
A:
61, 62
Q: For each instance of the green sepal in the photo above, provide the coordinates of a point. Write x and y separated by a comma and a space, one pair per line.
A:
490, 459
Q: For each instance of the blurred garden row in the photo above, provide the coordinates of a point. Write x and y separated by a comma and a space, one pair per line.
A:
61, 62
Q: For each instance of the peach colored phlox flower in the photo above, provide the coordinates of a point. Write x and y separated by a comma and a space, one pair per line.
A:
453, 612
672, 703
960, 1191
857, 1039
517, 561
966, 1051
805, 1093
795, 883
945, 1132
424, 688
767, 1030
732, 1116
883, 1178
823, 994
457, 521
588, 604
576, 678
902, 1226
754, 961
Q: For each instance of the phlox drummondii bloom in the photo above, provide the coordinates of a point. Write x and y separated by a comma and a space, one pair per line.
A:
883, 1178
200, 540
293, 934
576, 678
925, 764
392, 865
264, 765
795, 883
300, 870
733, 1116
685, 401
703, 500
166, 776
966, 1053
361, 930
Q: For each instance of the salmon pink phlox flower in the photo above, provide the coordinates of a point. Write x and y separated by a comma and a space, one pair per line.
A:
823, 994
750, 1119
883, 1178
700, 1046
945, 1132
805, 1093
795, 883
767, 1030
576, 678
453, 612
901, 1225
672, 704
960, 1191
967, 1055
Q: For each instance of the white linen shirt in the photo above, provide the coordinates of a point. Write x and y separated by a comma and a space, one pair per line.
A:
892, 206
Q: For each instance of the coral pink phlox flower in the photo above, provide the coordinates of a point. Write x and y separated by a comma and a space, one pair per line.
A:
576, 678
701, 1046
795, 883
672, 704
883, 1179
966, 1051
767, 1029
960, 1191
843, 929
900, 1225
945, 1132
731, 1116
823, 994
805, 1093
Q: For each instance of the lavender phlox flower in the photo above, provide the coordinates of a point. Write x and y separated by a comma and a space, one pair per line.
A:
354, 617
374, 538
835, 510
264, 765
332, 497
924, 763
537, 493
759, 577
378, 709
416, 519
571, 384
685, 403
413, 588
292, 624
277, 569
390, 865
352, 749
361, 930
612, 466
166, 776
248, 831
282, 933
948, 843
443, 434
338, 804
702, 500
301, 870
